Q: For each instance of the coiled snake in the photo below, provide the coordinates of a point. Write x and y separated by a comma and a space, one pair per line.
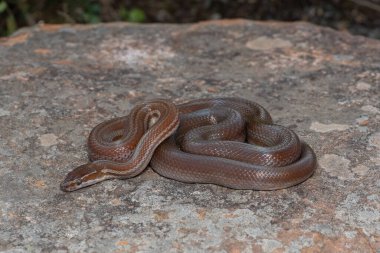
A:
230, 142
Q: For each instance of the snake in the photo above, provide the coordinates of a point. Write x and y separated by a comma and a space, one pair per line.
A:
229, 141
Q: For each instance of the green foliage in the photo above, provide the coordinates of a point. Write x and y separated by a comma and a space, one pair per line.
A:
17, 13
91, 13
3, 6
10, 24
134, 15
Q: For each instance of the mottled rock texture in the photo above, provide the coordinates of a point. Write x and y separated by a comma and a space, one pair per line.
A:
57, 82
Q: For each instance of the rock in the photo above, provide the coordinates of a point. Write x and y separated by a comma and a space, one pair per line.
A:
48, 140
58, 81
325, 128
363, 86
370, 108
336, 166
374, 140
265, 43
361, 170
4, 112
363, 120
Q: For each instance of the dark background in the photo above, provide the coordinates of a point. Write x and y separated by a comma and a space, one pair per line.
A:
356, 16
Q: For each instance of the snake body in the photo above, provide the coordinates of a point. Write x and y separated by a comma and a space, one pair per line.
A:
230, 142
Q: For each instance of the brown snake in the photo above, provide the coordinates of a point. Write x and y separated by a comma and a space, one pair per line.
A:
230, 142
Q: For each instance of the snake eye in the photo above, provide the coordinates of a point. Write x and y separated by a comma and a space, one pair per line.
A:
78, 181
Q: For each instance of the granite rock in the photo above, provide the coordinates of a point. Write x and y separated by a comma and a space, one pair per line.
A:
58, 81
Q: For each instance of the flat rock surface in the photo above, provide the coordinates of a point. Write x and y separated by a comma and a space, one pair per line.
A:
58, 82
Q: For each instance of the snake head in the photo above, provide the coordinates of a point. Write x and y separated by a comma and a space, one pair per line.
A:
83, 176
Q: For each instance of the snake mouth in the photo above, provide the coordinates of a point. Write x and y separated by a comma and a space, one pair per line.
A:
65, 187
71, 185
